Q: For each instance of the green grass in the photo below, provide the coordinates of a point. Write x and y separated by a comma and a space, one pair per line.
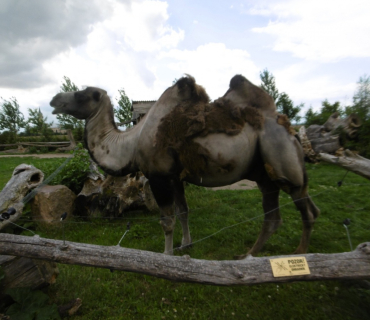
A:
123, 295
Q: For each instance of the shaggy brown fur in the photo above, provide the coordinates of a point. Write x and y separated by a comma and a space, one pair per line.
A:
197, 92
284, 121
198, 118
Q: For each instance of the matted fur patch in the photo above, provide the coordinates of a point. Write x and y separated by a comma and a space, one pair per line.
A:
189, 120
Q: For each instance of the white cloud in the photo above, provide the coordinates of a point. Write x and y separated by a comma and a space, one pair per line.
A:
318, 30
144, 27
33, 32
121, 51
304, 84
212, 65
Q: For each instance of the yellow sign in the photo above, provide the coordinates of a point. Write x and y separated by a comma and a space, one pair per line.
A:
287, 267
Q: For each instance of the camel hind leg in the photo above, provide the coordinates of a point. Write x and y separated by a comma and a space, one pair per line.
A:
272, 220
283, 156
309, 213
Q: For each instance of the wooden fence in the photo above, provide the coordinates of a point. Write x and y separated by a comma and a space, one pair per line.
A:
253, 270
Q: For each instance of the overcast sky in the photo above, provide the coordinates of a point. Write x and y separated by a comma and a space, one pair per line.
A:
316, 49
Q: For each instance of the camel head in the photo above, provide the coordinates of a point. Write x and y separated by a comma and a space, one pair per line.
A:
242, 91
79, 104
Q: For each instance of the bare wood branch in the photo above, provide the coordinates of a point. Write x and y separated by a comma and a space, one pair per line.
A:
36, 144
24, 178
348, 265
350, 161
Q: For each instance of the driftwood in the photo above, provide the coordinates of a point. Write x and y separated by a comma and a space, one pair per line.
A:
325, 138
24, 178
350, 161
348, 265
113, 196
309, 153
36, 144
22, 272
350, 124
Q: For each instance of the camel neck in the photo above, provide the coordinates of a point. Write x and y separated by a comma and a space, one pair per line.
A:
112, 149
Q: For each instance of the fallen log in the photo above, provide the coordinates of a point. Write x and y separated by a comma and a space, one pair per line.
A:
24, 178
350, 161
326, 138
253, 270
25, 272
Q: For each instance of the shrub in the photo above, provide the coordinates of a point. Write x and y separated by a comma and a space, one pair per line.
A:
74, 174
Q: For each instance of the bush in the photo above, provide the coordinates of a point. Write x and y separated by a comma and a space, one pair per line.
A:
33, 150
74, 174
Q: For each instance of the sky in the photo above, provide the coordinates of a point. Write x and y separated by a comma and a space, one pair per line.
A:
315, 49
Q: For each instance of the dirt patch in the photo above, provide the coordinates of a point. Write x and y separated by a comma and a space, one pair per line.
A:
240, 185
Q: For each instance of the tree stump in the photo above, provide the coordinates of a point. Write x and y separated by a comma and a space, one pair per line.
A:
115, 195
325, 138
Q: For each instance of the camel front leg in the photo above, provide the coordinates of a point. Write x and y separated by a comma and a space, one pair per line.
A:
182, 212
167, 222
163, 192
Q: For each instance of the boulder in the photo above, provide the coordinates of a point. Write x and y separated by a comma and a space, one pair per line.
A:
51, 202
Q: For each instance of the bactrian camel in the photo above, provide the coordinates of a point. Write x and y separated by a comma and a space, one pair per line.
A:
184, 137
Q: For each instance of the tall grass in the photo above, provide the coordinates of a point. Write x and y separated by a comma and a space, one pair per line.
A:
123, 295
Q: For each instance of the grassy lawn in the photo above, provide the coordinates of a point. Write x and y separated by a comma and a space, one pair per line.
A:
122, 295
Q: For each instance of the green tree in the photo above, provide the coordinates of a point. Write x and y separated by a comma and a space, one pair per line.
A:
327, 109
361, 107
285, 106
68, 85
361, 99
123, 111
66, 121
311, 117
11, 118
283, 103
38, 124
268, 84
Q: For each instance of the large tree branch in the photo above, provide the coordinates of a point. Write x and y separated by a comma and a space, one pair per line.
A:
350, 161
348, 265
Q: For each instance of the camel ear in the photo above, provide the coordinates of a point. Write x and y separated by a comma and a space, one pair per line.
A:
96, 96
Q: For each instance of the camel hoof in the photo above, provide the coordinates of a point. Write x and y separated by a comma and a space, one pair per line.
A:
240, 257
300, 251
186, 246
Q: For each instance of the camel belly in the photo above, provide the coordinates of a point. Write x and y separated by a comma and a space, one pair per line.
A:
221, 159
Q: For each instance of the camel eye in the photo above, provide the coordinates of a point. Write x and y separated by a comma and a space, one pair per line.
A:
80, 97
96, 95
